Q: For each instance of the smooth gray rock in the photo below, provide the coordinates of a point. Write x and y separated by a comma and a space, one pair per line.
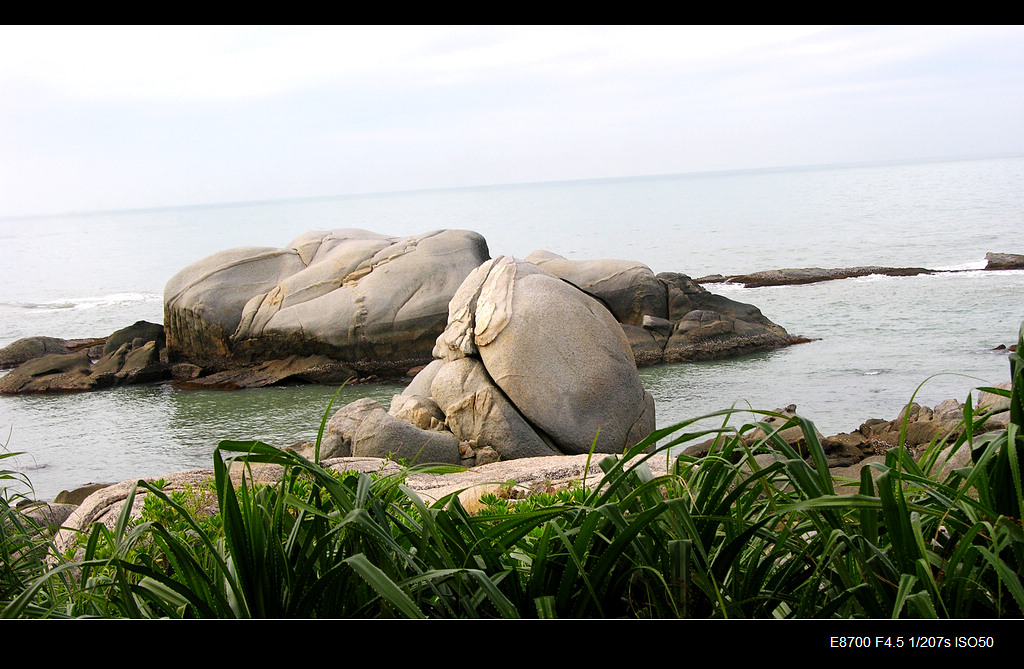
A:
381, 435
374, 301
561, 359
420, 384
629, 289
477, 411
682, 320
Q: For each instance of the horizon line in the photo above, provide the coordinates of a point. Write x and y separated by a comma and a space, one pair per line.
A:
666, 175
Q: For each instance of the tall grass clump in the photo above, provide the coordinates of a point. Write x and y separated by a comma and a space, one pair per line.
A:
25, 546
755, 529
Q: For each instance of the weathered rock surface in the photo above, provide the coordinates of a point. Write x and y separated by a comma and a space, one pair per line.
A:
372, 301
30, 348
292, 369
790, 277
528, 365
140, 330
51, 373
129, 359
668, 317
1004, 261
478, 412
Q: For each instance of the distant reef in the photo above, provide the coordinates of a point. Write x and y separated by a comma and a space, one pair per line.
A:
790, 277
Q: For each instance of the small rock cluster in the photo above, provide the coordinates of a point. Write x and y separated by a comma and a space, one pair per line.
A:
135, 354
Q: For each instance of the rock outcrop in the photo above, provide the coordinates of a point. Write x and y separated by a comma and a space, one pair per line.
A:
350, 305
30, 348
371, 301
668, 317
131, 355
526, 366
915, 428
996, 261
375, 305
791, 277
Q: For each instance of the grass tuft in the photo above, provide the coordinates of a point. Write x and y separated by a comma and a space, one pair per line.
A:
729, 535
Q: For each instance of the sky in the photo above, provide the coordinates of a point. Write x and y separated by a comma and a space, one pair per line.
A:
107, 118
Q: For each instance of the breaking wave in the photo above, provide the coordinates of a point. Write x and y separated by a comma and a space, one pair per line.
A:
112, 300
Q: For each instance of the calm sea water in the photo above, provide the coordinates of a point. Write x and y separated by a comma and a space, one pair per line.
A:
877, 338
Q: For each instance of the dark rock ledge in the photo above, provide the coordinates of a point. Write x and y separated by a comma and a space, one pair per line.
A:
792, 277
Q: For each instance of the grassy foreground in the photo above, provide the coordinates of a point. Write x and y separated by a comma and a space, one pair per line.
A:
718, 537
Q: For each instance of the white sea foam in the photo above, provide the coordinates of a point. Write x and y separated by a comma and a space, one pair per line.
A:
112, 300
962, 267
115, 300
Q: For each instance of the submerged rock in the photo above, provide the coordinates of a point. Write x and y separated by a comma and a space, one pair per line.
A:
791, 277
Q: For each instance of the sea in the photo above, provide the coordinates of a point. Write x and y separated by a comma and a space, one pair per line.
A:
877, 342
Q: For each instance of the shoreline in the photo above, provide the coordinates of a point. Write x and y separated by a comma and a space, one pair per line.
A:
846, 454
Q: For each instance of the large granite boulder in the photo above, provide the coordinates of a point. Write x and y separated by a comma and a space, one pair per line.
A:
557, 353
528, 365
372, 301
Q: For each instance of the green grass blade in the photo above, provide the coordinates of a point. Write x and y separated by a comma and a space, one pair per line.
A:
384, 586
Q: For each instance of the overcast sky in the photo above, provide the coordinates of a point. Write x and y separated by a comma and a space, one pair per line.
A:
96, 118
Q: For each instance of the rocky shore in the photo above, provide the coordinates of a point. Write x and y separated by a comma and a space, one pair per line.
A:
847, 454
515, 361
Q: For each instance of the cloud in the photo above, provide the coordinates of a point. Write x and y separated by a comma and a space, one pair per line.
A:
119, 117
